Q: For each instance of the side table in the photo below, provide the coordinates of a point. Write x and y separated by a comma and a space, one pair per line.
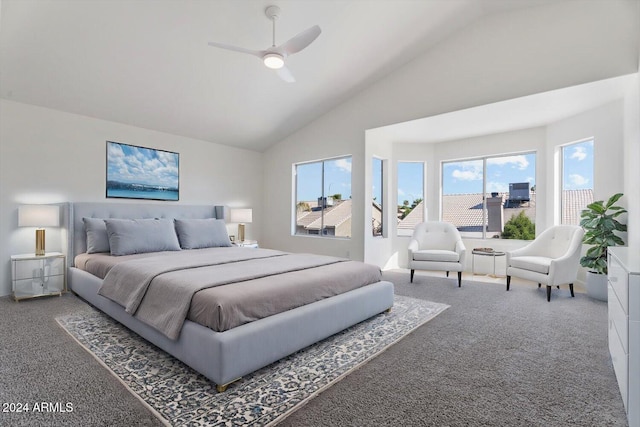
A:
485, 252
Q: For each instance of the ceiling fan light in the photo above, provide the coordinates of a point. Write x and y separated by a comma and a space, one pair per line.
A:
273, 60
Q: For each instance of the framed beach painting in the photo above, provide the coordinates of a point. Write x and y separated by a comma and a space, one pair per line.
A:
142, 173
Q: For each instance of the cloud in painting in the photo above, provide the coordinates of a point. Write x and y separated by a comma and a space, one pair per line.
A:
139, 165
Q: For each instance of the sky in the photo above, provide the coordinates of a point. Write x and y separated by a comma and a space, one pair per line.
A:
577, 168
410, 181
337, 179
460, 177
139, 165
466, 177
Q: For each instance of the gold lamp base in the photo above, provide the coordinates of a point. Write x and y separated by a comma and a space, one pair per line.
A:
241, 232
40, 242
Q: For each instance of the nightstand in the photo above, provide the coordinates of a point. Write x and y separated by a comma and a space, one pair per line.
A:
37, 276
246, 244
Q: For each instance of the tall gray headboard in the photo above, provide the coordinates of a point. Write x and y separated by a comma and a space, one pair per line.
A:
77, 211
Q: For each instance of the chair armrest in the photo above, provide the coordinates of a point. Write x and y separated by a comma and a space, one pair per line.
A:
461, 250
523, 251
564, 270
413, 246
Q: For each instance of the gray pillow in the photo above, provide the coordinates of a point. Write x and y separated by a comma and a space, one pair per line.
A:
97, 237
138, 236
202, 233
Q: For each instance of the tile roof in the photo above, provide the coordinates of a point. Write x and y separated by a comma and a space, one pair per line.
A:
333, 216
573, 202
465, 210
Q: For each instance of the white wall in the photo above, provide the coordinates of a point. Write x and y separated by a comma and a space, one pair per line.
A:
606, 126
47, 156
376, 249
632, 162
506, 56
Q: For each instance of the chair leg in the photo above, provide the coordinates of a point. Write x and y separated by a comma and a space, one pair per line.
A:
548, 293
539, 284
447, 274
459, 279
558, 286
412, 271
571, 289
508, 282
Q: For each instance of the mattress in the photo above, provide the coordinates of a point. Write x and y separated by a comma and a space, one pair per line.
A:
223, 306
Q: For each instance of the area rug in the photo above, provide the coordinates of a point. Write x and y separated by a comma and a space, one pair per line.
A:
179, 396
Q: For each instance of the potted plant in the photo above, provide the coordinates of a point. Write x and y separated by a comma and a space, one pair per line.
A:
600, 225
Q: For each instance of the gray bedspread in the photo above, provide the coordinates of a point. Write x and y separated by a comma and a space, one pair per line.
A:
159, 290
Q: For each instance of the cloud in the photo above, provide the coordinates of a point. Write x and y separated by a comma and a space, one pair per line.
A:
467, 175
519, 162
579, 153
468, 171
401, 192
344, 164
142, 166
499, 187
578, 180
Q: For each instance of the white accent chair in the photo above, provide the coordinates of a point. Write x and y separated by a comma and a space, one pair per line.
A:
436, 246
551, 259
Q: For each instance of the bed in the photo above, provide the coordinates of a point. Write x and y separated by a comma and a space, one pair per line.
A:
226, 354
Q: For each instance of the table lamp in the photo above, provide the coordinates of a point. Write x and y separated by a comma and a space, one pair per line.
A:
241, 216
39, 216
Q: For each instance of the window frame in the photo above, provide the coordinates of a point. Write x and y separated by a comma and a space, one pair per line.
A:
484, 159
321, 233
409, 232
561, 184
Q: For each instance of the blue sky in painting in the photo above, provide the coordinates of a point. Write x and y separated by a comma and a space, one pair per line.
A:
139, 165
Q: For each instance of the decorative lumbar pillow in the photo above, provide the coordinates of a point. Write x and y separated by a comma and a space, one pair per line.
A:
138, 236
97, 237
202, 233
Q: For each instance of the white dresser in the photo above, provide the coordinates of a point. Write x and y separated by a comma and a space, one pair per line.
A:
624, 326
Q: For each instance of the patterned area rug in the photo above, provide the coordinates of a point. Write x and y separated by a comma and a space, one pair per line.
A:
180, 396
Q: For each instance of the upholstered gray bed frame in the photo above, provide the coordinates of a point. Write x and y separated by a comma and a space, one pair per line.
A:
224, 357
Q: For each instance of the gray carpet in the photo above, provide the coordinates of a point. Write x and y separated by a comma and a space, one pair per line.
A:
493, 358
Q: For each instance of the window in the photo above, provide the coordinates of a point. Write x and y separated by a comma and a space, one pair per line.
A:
577, 180
323, 197
491, 197
410, 204
377, 218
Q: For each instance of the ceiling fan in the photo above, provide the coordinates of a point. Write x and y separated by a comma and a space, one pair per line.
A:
274, 57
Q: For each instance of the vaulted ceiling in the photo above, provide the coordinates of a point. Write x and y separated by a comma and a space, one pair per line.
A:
146, 63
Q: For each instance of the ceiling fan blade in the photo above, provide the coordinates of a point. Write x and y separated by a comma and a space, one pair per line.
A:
286, 75
300, 41
258, 53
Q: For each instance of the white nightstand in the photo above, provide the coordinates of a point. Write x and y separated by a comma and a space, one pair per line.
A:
37, 276
246, 244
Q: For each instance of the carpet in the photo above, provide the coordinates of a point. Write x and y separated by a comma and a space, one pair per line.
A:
180, 396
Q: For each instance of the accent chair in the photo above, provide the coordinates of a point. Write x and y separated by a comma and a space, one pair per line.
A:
436, 246
551, 259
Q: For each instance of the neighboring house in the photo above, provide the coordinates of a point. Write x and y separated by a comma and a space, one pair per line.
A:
415, 217
465, 210
336, 222
573, 202
337, 218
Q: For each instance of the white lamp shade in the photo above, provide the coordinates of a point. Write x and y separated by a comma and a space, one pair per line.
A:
38, 216
241, 216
